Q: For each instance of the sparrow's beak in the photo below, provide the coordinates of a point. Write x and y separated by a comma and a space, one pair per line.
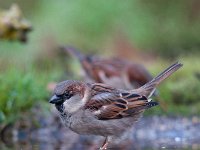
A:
55, 100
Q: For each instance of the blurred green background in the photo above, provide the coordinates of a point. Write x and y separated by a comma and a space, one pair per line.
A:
153, 32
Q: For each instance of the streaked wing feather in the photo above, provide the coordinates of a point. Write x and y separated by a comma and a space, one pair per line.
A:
111, 111
101, 95
109, 103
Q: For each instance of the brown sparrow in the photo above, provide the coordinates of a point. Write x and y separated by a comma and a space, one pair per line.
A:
116, 72
98, 109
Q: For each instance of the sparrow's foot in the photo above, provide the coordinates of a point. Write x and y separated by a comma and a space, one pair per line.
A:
105, 144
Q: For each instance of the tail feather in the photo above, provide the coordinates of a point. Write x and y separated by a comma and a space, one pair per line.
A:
74, 52
151, 104
149, 88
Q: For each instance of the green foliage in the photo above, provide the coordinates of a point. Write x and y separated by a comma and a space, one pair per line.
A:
19, 92
169, 28
180, 93
186, 91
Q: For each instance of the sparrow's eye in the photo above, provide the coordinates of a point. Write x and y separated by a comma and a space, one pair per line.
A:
67, 95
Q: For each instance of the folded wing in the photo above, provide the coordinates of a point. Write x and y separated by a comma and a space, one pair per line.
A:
109, 103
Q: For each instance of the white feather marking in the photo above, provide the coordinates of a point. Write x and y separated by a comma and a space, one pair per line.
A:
97, 112
86, 95
120, 94
104, 107
74, 104
152, 92
149, 100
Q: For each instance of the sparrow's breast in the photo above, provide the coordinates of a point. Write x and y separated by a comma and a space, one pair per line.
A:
84, 122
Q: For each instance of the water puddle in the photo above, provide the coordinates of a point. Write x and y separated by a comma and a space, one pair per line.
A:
148, 133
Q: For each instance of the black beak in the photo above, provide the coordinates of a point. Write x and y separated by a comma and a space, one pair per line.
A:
55, 100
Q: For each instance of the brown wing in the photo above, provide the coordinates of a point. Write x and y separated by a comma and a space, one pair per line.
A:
110, 103
92, 66
108, 69
136, 74
101, 95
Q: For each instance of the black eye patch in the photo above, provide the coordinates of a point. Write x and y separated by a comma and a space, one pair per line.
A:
67, 95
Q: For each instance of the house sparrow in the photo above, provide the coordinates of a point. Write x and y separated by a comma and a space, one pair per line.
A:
116, 72
98, 109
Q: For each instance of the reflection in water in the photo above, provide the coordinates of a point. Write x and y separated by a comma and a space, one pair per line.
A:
149, 133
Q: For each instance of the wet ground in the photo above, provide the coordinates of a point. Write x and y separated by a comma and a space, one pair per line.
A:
149, 133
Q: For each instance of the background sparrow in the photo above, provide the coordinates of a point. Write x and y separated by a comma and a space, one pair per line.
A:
98, 109
116, 72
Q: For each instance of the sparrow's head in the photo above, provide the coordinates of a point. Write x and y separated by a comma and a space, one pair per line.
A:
69, 96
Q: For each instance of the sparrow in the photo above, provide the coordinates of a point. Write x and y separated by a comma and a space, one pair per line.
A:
117, 72
99, 109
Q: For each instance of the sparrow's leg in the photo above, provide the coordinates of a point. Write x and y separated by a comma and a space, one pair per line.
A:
105, 144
